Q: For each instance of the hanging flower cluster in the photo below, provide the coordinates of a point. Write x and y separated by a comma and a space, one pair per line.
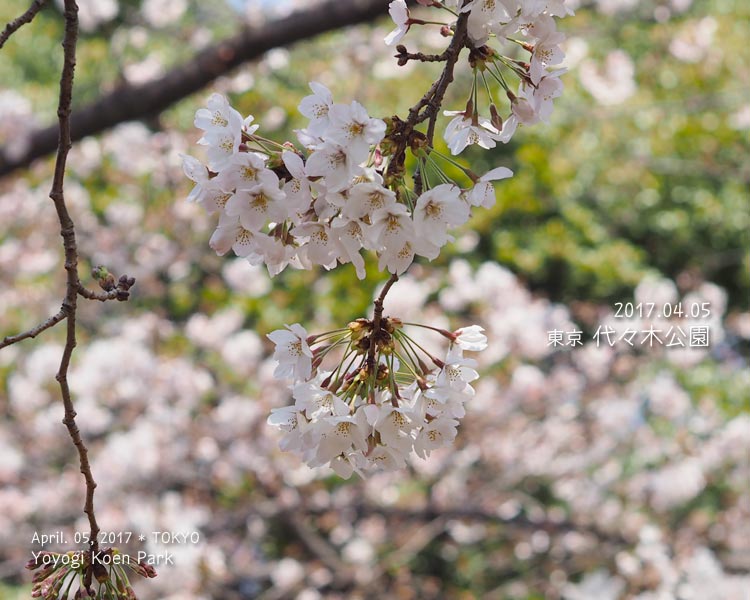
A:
384, 397
344, 187
528, 24
60, 572
278, 208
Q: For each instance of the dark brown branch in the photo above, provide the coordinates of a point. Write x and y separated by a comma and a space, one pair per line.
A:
67, 230
377, 322
24, 19
436, 100
405, 134
35, 331
132, 102
119, 291
112, 291
404, 56
92, 295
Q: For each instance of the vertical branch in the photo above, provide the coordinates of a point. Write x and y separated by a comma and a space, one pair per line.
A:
377, 322
67, 230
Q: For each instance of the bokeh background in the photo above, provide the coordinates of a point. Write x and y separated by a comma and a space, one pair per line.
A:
589, 473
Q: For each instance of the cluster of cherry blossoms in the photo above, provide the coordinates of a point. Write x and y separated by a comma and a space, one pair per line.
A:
385, 397
58, 573
344, 187
279, 208
528, 24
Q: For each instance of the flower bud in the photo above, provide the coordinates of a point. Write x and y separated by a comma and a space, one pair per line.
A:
104, 277
100, 572
495, 118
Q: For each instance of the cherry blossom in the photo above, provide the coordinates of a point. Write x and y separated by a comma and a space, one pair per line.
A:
464, 131
400, 15
292, 352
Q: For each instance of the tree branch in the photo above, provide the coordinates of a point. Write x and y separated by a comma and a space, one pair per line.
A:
35, 331
67, 230
25, 18
133, 102
377, 322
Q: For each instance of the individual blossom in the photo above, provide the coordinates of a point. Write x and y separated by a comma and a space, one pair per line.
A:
350, 238
484, 17
465, 130
335, 164
400, 15
292, 352
315, 400
246, 170
277, 255
258, 205
523, 112
367, 197
340, 434
208, 191
319, 242
394, 425
483, 192
549, 87
222, 126
351, 127
231, 235
436, 210
316, 107
289, 420
435, 434
297, 190
471, 338
546, 51
393, 235
456, 372
218, 117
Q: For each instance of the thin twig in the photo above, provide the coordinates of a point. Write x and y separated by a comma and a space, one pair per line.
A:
92, 295
25, 18
67, 230
428, 105
34, 331
432, 109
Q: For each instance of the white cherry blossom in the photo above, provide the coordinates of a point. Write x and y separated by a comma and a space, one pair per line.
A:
400, 15
436, 210
436, 434
471, 338
366, 198
320, 244
292, 352
333, 162
256, 206
483, 192
351, 127
316, 108
231, 235
218, 117
463, 131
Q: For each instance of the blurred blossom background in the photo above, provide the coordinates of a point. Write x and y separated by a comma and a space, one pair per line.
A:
592, 472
